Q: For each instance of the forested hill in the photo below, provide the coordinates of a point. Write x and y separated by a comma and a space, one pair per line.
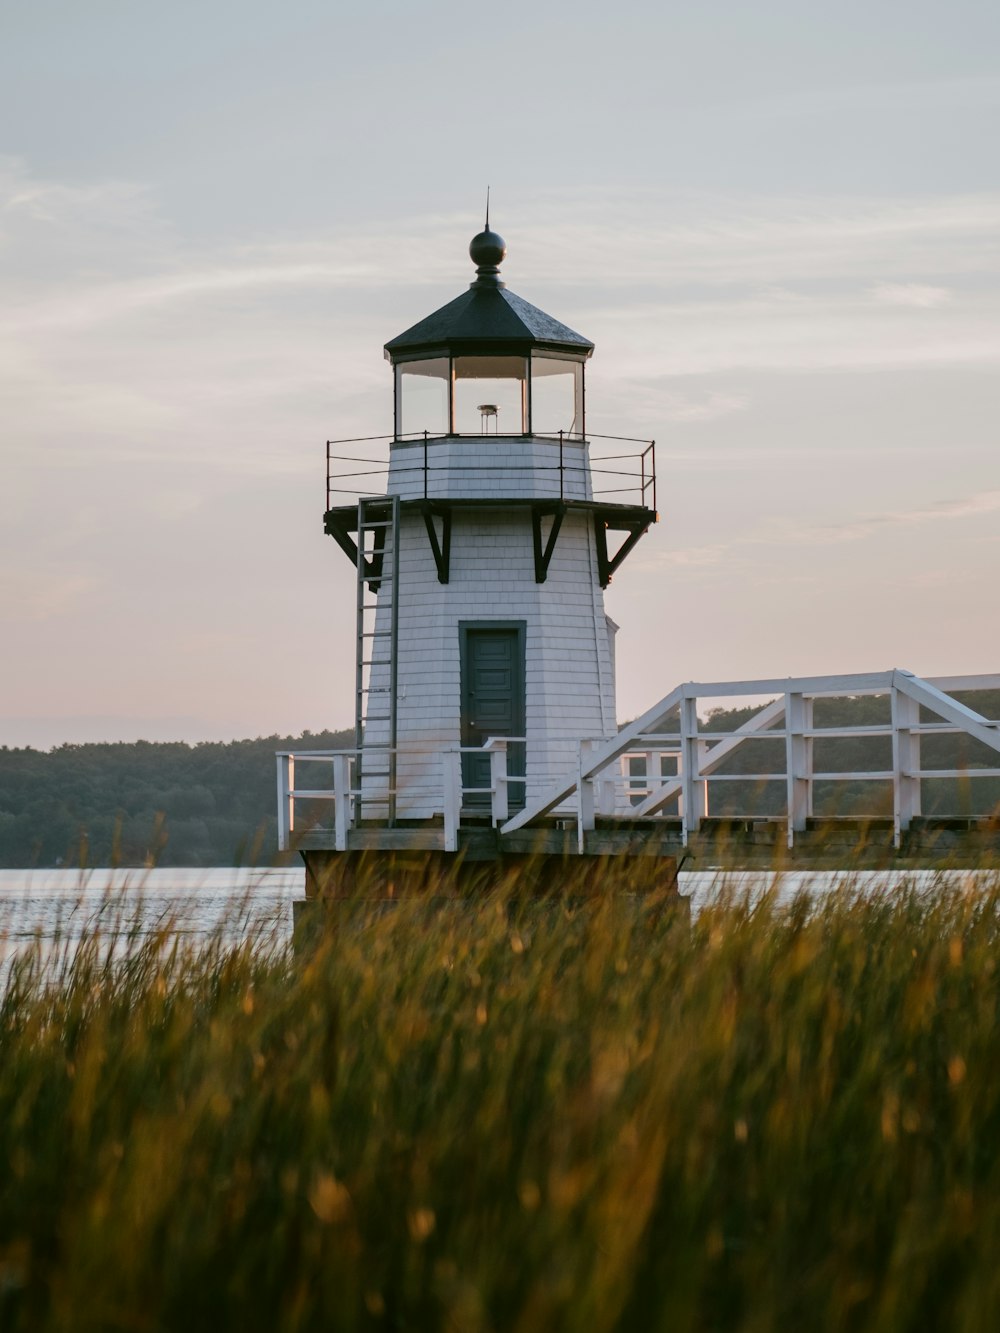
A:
172, 804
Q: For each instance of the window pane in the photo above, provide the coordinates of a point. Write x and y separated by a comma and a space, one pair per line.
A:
556, 396
490, 393
422, 397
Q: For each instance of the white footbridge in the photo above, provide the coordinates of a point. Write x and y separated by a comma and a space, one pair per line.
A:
666, 766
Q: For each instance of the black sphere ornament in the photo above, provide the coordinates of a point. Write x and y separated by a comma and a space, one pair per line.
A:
488, 249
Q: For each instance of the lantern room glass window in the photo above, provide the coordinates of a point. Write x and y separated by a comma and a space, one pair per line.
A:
491, 395
422, 397
556, 396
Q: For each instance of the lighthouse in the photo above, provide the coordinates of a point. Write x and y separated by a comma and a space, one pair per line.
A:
482, 566
482, 538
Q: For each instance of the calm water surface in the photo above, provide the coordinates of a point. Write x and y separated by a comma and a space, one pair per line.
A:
57, 905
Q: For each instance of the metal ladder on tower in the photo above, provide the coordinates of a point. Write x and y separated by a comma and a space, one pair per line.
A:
377, 657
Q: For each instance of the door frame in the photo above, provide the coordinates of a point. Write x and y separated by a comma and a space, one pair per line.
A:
516, 795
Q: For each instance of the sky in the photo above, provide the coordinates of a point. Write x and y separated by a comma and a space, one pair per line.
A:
779, 223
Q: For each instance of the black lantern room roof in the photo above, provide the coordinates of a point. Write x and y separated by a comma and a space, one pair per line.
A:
488, 319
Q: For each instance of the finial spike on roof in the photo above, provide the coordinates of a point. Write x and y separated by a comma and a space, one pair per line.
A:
487, 252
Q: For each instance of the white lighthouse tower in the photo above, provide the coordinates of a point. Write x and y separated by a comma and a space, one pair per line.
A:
487, 556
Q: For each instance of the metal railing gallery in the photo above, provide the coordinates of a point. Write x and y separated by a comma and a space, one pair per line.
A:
634, 478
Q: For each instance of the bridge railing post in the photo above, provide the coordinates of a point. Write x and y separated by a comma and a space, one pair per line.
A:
286, 801
694, 788
798, 764
451, 761
586, 807
342, 800
905, 763
499, 798
809, 714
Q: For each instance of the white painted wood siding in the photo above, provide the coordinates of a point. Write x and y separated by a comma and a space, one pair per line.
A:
486, 466
569, 676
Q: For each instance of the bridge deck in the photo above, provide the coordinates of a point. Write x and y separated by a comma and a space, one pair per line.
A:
755, 840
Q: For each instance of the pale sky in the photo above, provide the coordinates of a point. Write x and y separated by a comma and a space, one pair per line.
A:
779, 222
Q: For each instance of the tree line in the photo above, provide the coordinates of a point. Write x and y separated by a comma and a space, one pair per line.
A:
170, 804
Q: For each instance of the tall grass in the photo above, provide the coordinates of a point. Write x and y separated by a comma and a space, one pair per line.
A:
492, 1117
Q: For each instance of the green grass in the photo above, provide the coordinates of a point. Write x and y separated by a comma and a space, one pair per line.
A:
602, 1119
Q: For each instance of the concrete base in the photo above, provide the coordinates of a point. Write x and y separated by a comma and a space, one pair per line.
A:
389, 873
339, 881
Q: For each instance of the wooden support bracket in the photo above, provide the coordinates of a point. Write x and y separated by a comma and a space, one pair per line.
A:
440, 546
340, 524
603, 523
543, 549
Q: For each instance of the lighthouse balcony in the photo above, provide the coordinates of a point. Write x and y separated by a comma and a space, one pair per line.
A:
433, 477
613, 470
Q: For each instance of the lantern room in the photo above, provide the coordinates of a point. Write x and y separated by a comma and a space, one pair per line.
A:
489, 362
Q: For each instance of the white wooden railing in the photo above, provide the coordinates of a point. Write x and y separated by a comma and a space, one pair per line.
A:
344, 794
340, 765
603, 783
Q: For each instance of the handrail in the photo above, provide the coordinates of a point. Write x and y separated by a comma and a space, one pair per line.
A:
638, 468
699, 753
344, 793
603, 781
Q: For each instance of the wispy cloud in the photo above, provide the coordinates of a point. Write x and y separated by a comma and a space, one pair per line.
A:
792, 537
978, 91
716, 241
36, 595
765, 253
659, 399
971, 506
829, 331
134, 331
94, 303
915, 295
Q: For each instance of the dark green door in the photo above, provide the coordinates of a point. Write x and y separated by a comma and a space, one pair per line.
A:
492, 704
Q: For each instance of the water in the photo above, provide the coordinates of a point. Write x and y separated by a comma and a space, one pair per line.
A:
196, 903
58, 905
702, 885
